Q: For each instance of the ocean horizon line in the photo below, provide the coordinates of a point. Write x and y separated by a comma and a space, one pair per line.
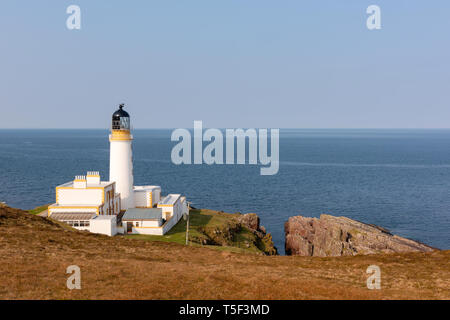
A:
223, 128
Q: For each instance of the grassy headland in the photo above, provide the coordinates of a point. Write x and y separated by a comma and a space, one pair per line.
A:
36, 251
215, 229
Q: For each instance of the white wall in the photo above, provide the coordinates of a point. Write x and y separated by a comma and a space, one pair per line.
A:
151, 223
146, 198
80, 196
172, 222
104, 226
167, 212
145, 223
152, 227
120, 230
156, 196
121, 171
141, 199
177, 210
149, 231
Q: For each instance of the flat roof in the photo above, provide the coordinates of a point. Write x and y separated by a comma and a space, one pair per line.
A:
102, 184
143, 214
170, 199
146, 188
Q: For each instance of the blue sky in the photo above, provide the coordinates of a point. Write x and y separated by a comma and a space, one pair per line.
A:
230, 63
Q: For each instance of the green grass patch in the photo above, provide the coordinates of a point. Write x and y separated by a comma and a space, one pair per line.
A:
38, 210
202, 220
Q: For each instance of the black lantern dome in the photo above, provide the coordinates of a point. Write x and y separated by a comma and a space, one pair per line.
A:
120, 119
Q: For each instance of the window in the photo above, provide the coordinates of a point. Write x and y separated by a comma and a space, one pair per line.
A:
116, 124
125, 123
84, 223
137, 224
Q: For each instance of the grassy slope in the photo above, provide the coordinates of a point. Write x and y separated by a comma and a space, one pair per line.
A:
35, 253
201, 223
38, 210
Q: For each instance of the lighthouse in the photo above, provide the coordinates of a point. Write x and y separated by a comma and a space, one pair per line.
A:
117, 206
121, 157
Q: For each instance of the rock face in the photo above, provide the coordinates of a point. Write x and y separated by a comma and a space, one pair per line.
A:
264, 240
332, 236
250, 220
238, 230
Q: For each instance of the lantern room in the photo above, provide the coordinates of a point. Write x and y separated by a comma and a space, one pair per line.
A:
121, 119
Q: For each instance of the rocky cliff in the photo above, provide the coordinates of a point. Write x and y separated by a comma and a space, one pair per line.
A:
264, 240
341, 236
235, 230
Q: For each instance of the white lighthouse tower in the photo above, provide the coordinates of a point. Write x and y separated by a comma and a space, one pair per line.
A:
121, 157
88, 203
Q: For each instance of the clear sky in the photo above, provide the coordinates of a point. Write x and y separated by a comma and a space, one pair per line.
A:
230, 63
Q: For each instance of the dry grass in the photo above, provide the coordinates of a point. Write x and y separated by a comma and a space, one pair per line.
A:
35, 252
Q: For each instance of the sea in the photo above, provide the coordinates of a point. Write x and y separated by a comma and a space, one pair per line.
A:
398, 179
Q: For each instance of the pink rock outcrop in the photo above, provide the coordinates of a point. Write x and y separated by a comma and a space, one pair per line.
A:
332, 236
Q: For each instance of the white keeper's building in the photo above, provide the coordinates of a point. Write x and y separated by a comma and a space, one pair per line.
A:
117, 206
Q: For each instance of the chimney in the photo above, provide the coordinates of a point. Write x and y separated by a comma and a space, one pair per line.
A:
93, 177
79, 182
